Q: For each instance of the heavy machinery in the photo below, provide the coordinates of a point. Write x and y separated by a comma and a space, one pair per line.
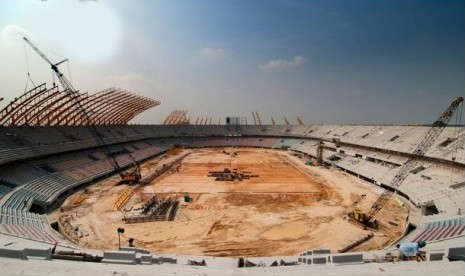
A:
368, 219
132, 175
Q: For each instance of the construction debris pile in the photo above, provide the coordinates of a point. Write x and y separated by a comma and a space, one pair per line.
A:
228, 175
156, 210
70, 231
76, 256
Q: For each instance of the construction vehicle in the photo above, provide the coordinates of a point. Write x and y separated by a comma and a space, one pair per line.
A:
368, 219
131, 176
363, 218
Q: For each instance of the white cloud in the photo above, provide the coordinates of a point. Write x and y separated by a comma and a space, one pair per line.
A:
12, 31
129, 81
283, 63
213, 52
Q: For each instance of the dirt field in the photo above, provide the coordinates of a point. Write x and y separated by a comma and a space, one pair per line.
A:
289, 208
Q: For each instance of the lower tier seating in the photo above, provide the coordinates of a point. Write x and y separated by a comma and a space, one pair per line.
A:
441, 230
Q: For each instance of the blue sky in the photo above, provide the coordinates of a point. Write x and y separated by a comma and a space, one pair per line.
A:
326, 61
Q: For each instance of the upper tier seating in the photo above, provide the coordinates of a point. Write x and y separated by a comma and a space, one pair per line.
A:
18, 143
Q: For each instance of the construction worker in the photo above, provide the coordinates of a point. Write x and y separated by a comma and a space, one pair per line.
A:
131, 242
411, 250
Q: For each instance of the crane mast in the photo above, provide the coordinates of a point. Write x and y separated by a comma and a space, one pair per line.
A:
133, 176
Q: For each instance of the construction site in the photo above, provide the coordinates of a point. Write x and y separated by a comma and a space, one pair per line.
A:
220, 190
285, 209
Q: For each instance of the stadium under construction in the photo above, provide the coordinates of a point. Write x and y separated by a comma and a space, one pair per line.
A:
78, 183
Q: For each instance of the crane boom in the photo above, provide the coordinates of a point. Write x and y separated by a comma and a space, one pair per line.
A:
425, 144
63, 80
73, 94
38, 51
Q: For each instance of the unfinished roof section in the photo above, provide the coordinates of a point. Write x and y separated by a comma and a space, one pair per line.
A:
48, 107
177, 117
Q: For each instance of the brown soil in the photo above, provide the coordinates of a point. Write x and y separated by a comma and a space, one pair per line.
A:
288, 209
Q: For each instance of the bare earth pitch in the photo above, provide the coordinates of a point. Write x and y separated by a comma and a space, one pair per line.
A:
289, 208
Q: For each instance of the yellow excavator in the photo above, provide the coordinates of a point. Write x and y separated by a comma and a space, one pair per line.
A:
363, 219
368, 219
132, 175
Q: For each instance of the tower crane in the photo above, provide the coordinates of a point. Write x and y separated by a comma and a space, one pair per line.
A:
368, 219
131, 176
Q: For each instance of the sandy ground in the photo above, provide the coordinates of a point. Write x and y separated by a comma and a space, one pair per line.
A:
288, 209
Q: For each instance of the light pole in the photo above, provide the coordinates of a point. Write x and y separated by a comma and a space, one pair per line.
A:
120, 231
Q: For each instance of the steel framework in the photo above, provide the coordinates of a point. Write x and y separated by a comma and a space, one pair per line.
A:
48, 107
177, 117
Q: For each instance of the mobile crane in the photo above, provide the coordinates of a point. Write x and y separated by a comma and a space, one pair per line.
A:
368, 219
131, 176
